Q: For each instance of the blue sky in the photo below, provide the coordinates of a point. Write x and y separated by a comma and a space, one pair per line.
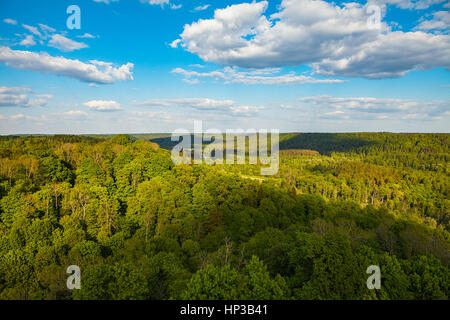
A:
157, 65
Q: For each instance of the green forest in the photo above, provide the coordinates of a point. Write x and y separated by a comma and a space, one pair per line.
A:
140, 227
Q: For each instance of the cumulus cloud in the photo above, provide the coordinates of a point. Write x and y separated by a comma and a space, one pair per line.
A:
28, 41
65, 44
102, 105
55, 40
440, 21
392, 55
261, 76
225, 106
10, 21
94, 71
21, 97
334, 40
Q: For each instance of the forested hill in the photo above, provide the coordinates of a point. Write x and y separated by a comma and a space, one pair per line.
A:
426, 151
140, 227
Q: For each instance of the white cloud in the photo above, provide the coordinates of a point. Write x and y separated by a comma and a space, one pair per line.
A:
196, 103
201, 8
245, 110
10, 21
261, 76
13, 100
28, 41
196, 65
17, 116
45, 96
87, 35
414, 4
10, 90
106, 1
334, 40
21, 97
202, 104
33, 30
71, 115
151, 115
191, 81
65, 44
102, 105
75, 113
163, 3
175, 43
392, 55
156, 2
58, 41
369, 108
413, 116
46, 28
440, 21
94, 71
